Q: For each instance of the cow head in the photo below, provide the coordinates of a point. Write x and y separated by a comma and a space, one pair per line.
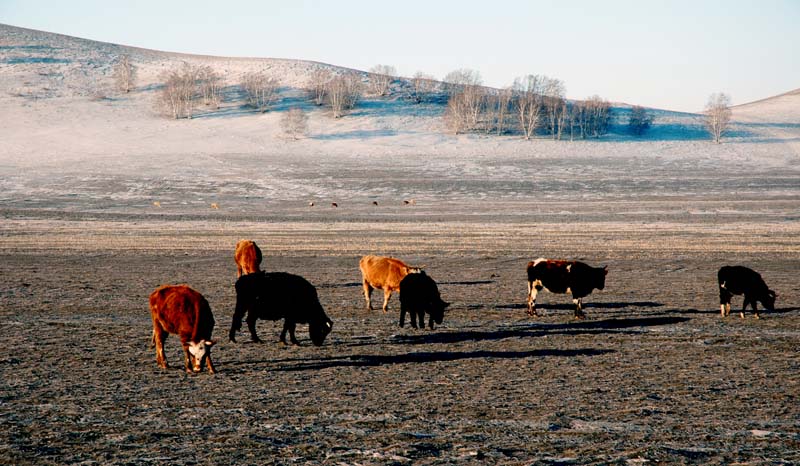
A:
199, 352
318, 331
437, 311
601, 277
768, 300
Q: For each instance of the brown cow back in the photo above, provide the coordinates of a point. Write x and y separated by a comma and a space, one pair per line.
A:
384, 273
247, 257
182, 311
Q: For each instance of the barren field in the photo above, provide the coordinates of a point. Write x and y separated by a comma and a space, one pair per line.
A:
654, 374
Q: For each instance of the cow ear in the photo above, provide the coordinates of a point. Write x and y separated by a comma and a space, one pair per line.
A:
445, 304
211, 343
605, 270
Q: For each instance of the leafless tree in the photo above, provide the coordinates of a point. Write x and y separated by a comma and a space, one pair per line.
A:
260, 90
465, 107
457, 79
564, 118
422, 85
527, 103
380, 78
343, 92
317, 85
496, 109
718, 115
553, 99
592, 117
639, 120
211, 84
124, 73
295, 123
179, 90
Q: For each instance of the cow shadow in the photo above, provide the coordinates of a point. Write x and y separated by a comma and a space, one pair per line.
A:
736, 310
367, 360
340, 285
468, 283
533, 330
570, 306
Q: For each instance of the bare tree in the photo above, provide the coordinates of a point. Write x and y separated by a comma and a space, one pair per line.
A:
495, 110
422, 85
295, 123
260, 90
317, 85
211, 84
639, 120
527, 103
592, 116
178, 93
718, 115
124, 73
457, 79
380, 78
553, 99
343, 92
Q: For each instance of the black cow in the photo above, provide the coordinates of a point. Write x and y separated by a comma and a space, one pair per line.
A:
558, 276
275, 296
418, 295
736, 280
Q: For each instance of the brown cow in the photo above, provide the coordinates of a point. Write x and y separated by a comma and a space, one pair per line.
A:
247, 257
182, 311
384, 273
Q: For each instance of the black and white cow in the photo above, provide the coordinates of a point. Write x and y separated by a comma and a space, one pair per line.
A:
559, 276
736, 280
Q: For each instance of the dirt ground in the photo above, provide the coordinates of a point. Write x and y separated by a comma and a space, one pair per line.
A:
653, 375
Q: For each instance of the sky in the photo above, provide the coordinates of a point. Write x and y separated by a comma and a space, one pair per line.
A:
662, 54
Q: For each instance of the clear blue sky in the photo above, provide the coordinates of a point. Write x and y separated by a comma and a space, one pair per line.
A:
667, 54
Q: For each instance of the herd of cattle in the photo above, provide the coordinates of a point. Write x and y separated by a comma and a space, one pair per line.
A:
182, 311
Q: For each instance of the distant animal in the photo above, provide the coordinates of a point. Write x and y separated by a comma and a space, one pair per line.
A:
275, 296
182, 311
420, 295
559, 276
383, 273
311, 204
736, 280
333, 204
247, 256
157, 204
214, 205
374, 202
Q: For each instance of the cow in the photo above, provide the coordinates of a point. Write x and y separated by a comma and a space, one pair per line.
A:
275, 296
384, 273
419, 295
182, 311
736, 280
559, 276
247, 257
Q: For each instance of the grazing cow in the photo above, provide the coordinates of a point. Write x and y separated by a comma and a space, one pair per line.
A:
247, 257
736, 280
275, 296
558, 276
333, 204
383, 273
182, 311
419, 295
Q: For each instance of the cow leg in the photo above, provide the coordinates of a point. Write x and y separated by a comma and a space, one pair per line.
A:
251, 325
210, 365
430, 321
724, 301
238, 271
403, 316
159, 335
368, 294
533, 291
744, 306
754, 303
386, 295
289, 327
188, 359
579, 314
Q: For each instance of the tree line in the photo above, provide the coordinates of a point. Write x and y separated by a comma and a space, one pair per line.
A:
533, 104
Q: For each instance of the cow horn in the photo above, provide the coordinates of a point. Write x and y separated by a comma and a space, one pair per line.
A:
328, 324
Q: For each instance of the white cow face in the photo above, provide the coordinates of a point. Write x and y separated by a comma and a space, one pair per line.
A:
199, 352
